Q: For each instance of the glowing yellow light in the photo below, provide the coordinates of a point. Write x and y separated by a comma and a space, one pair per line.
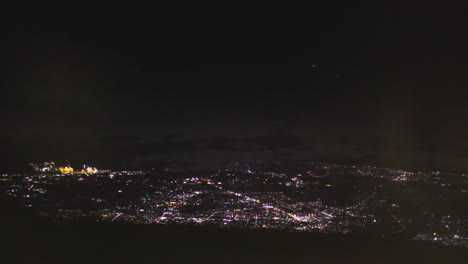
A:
66, 170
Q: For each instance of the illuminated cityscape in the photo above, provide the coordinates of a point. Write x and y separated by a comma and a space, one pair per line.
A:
234, 132
50, 167
289, 195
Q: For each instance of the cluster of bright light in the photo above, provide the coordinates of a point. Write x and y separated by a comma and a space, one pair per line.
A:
89, 170
66, 170
50, 167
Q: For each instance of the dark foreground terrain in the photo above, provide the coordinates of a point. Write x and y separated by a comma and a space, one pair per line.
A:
29, 238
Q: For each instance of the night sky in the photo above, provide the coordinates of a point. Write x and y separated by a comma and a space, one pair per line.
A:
200, 83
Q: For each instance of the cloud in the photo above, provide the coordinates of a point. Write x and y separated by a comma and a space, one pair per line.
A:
216, 150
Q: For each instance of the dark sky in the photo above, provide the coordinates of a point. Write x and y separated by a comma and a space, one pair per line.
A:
132, 85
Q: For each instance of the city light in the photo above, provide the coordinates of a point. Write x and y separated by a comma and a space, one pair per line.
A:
327, 198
